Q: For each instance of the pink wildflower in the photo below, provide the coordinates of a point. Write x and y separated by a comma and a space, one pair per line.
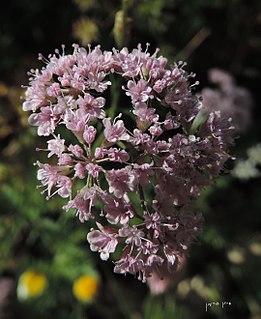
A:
56, 146
121, 181
48, 175
139, 91
93, 169
104, 241
114, 132
144, 168
45, 120
89, 134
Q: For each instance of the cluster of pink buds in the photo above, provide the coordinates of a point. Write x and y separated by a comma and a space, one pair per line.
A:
135, 174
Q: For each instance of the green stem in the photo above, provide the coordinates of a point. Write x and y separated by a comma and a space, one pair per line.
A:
124, 9
115, 96
142, 199
200, 118
123, 304
121, 26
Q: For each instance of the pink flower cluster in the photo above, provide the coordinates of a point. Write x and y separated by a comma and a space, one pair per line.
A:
138, 173
232, 100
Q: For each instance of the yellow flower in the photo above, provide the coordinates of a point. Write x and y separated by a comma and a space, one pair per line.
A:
31, 284
86, 31
85, 287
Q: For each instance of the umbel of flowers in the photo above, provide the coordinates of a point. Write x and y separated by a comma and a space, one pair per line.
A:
140, 172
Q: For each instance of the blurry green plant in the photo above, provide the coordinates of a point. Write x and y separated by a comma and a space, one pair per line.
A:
250, 167
35, 245
163, 307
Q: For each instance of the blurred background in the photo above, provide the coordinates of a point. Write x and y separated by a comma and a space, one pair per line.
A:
46, 267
